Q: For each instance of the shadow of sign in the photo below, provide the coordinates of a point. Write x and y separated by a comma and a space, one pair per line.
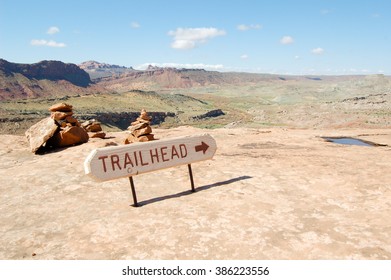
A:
202, 188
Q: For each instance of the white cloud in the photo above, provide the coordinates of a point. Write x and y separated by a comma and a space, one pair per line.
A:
53, 30
297, 57
286, 40
317, 51
135, 25
46, 43
243, 27
244, 56
183, 44
182, 65
188, 38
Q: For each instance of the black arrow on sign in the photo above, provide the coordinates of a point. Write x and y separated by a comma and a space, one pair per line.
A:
203, 147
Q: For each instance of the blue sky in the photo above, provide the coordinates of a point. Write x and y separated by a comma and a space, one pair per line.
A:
332, 37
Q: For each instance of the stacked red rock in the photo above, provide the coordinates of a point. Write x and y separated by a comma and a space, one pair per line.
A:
140, 130
62, 114
70, 132
94, 129
61, 129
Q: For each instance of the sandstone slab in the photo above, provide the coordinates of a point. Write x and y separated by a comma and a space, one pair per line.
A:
142, 131
62, 107
98, 134
276, 193
59, 116
137, 126
40, 132
94, 127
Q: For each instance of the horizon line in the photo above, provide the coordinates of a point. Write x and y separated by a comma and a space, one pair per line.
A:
219, 68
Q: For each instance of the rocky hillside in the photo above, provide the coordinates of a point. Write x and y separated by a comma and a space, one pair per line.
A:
50, 70
122, 79
155, 78
42, 79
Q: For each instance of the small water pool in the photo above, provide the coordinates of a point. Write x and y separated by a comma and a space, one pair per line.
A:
348, 141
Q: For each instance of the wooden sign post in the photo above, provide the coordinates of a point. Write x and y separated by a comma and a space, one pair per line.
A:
128, 160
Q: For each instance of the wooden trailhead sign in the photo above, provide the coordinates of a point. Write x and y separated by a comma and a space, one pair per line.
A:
128, 160
110, 163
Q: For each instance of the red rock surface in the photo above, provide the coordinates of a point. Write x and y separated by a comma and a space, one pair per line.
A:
274, 194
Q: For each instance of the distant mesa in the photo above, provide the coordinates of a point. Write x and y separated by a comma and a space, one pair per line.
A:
94, 65
44, 79
48, 70
98, 70
158, 68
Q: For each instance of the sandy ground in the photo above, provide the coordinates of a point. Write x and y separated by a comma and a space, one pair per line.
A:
267, 194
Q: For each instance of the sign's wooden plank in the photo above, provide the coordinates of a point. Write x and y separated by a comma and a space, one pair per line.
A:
128, 160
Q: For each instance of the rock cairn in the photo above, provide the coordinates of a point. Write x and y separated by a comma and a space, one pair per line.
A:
61, 129
70, 132
140, 130
94, 129
62, 114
